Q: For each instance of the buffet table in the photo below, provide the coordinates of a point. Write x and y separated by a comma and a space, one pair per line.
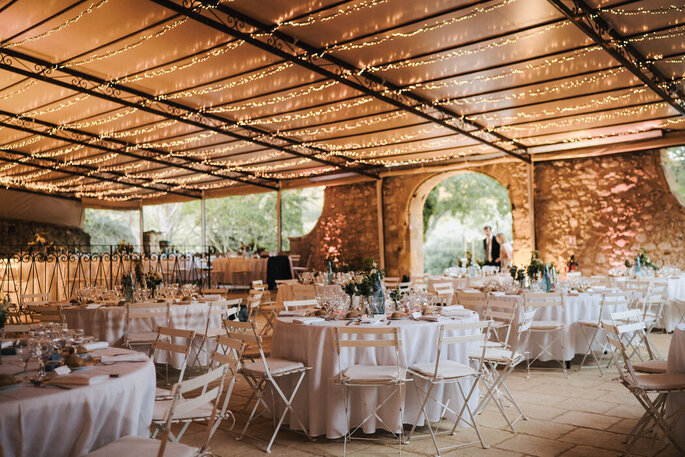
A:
107, 323
239, 270
56, 422
320, 401
676, 364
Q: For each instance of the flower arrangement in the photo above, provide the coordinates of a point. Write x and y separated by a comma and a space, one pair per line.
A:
124, 248
535, 267
252, 246
363, 282
5, 306
153, 279
40, 244
645, 261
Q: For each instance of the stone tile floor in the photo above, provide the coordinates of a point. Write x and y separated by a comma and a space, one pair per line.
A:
583, 415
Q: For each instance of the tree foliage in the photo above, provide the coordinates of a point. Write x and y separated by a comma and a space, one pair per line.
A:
456, 211
676, 162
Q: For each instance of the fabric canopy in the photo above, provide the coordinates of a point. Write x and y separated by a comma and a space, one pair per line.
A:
159, 100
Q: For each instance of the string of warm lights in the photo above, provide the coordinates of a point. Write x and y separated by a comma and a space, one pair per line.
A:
640, 11
26, 86
93, 6
344, 10
279, 119
347, 126
560, 109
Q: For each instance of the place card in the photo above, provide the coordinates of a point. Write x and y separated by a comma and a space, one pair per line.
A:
62, 370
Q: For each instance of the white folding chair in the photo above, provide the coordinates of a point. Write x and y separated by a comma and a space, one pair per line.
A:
499, 364
418, 282
167, 343
220, 310
391, 282
14, 331
175, 410
264, 373
653, 306
553, 329
151, 315
502, 310
637, 340
46, 313
444, 291
450, 374
365, 376
599, 281
641, 386
617, 300
300, 305
228, 355
476, 301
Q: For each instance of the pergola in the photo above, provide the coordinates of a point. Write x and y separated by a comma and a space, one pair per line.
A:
122, 101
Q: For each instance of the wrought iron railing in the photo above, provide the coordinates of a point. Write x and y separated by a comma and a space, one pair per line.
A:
62, 274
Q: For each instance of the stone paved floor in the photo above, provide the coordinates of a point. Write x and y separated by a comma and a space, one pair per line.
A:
584, 415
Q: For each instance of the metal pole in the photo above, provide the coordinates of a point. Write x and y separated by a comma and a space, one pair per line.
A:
204, 222
279, 221
381, 225
531, 203
142, 225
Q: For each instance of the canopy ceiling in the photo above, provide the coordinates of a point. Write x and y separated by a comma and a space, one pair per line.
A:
160, 99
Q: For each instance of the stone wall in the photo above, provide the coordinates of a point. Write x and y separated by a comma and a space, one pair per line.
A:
347, 229
608, 207
600, 209
15, 234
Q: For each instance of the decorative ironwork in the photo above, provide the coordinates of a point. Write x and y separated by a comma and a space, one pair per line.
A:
346, 74
604, 34
61, 275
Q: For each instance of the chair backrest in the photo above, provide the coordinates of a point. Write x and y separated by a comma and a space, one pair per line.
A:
258, 285
523, 331
220, 292
472, 300
404, 286
614, 334
228, 352
444, 291
656, 298
209, 387
616, 299
471, 333
542, 299
15, 330
629, 318
167, 342
599, 280
391, 282
46, 313
502, 308
291, 305
146, 310
35, 299
247, 333
253, 303
368, 337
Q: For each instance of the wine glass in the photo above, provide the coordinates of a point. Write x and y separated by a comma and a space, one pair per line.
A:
24, 352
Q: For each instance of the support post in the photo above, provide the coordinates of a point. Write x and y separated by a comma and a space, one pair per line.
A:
531, 203
203, 222
142, 225
381, 225
279, 221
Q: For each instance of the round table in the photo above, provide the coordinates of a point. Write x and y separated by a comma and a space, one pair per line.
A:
107, 323
320, 401
37, 421
676, 364
288, 292
239, 270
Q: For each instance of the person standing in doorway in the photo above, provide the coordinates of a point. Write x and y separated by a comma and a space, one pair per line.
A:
506, 252
491, 247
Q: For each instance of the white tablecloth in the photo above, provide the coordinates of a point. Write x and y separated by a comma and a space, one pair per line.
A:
675, 291
287, 292
108, 323
49, 421
239, 270
676, 364
320, 402
580, 307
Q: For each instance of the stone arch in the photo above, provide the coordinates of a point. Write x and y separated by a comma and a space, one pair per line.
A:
511, 176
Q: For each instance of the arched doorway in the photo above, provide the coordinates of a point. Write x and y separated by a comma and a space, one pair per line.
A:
450, 209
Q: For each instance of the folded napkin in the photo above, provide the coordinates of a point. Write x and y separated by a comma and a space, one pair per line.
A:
308, 320
79, 380
447, 309
93, 345
93, 306
371, 320
293, 313
128, 357
434, 318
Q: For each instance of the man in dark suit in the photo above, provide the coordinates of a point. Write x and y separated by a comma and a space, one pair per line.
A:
491, 247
